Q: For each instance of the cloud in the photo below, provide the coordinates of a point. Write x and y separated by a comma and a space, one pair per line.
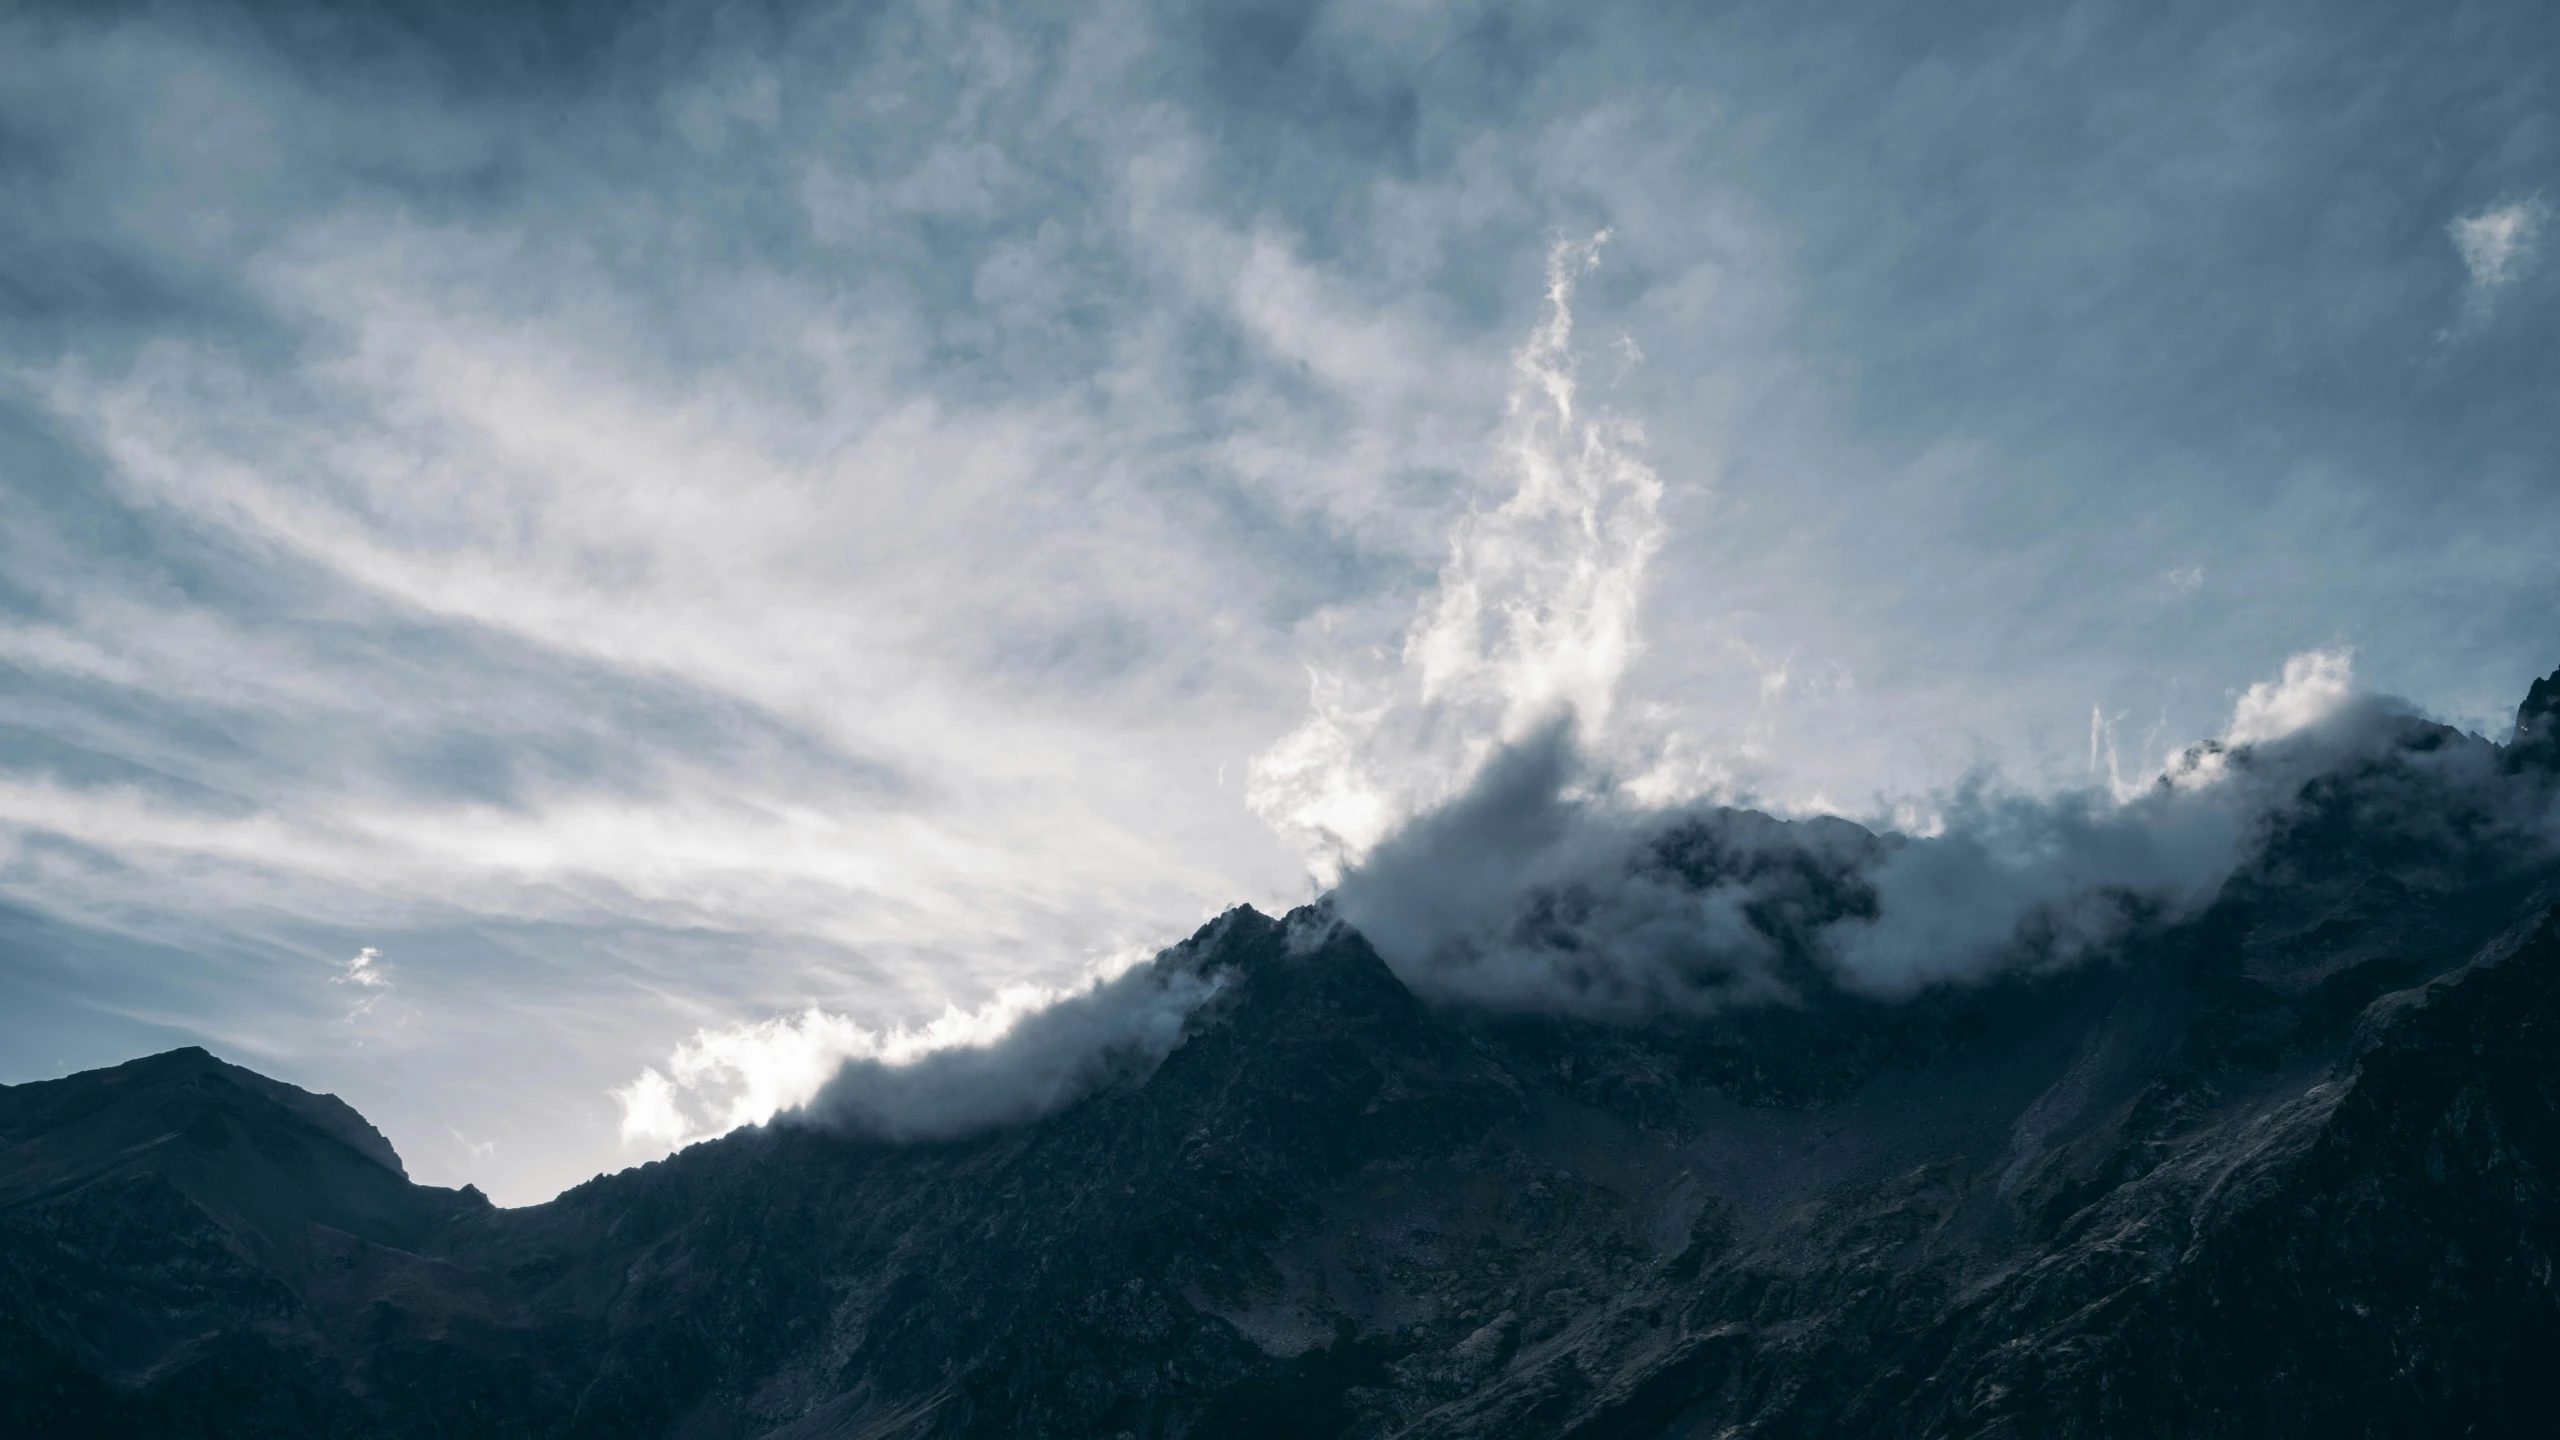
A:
1533, 890
1491, 840
1533, 616
1024, 1053
371, 978
481, 1152
1531, 622
2314, 684
2498, 245
1066, 1048
1544, 887
2012, 880
652, 1113
365, 969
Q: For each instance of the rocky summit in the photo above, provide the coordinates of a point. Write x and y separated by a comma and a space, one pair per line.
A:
2282, 1166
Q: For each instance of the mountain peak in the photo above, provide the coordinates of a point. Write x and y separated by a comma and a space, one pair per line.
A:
155, 1090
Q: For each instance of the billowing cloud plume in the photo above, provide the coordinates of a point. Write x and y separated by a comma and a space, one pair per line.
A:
1492, 848
1534, 616
2311, 689
1532, 622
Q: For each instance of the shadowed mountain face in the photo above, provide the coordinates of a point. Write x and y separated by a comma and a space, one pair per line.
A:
2283, 1168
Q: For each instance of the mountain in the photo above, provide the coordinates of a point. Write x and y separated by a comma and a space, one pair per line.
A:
2282, 1167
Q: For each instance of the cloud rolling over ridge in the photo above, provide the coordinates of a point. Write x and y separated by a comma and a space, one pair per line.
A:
1497, 859
1025, 1054
1539, 888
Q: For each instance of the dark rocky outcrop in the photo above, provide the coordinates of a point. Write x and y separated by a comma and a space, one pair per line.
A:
2282, 1168
2537, 738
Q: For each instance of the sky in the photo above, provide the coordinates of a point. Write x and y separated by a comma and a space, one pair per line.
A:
691, 542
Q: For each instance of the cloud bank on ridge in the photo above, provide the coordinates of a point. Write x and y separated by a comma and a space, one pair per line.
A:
1484, 818
1541, 888
1015, 1059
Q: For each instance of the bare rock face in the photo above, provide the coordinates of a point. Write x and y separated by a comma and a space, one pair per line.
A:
2283, 1169
2537, 737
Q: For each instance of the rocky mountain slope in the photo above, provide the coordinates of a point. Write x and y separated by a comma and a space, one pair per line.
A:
2284, 1167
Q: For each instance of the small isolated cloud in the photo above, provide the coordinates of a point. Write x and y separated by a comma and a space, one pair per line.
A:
370, 976
2498, 245
480, 1151
366, 969
2183, 582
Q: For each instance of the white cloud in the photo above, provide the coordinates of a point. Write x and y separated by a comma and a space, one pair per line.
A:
1543, 887
650, 1113
366, 971
480, 1152
745, 1074
365, 968
2497, 243
2314, 684
2312, 687
1021, 1053
1533, 616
